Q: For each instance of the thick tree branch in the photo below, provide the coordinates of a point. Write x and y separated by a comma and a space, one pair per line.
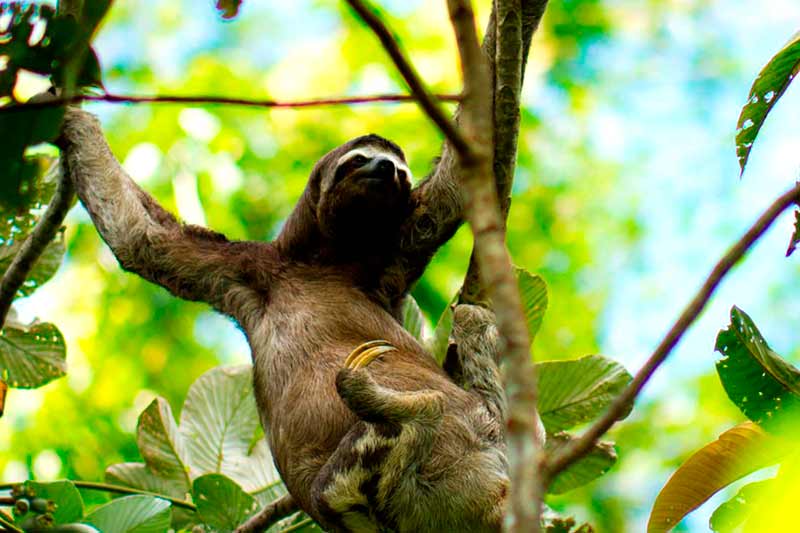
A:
224, 100
508, 42
581, 446
482, 210
269, 515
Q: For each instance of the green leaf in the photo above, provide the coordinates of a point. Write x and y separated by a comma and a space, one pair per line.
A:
533, 293
218, 422
575, 391
591, 466
767, 89
413, 319
733, 512
738, 452
795, 240
139, 476
229, 8
222, 503
161, 444
761, 384
132, 514
31, 356
437, 344
69, 504
43, 269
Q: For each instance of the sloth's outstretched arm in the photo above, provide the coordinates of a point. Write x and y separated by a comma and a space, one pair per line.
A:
190, 261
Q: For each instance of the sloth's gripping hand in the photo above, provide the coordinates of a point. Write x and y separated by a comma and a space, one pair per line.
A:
190, 261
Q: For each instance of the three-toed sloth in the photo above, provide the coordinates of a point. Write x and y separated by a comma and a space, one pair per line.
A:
367, 431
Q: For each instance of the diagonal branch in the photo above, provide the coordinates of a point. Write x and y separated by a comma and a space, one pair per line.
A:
269, 515
581, 446
412, 78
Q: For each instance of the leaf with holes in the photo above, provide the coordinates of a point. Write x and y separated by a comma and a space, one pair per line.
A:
221, 503
761, 384
591, 466
533, 293
43, 269
132, 514
795, 240
575, 391
161, 444
31, 356
767, 89
738, 452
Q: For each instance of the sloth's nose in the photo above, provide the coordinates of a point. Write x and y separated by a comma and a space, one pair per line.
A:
384, 168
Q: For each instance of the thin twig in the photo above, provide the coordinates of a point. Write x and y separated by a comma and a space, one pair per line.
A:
276, 510
300, 525
224, 100
582, 445
412, 78
118, 489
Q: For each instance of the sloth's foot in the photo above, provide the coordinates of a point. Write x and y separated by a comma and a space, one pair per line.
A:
367, 352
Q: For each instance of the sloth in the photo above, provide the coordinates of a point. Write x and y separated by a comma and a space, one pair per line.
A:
368, 432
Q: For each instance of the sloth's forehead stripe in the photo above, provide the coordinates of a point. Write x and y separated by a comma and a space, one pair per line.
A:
373, 151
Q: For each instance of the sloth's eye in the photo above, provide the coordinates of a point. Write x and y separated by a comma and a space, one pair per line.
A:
359, 160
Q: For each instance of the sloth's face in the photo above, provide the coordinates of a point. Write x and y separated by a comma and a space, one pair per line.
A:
366, 193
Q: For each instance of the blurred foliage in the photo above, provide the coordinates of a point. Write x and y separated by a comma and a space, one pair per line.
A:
240, 171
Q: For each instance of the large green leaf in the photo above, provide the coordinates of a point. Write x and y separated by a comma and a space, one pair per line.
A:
767, 89
413, 319
575, 391
733, 512
533, 293
594, 464
132, 514
764, 386
69, 504
161, 444
739, 451
31, 356
221, 503
43, 269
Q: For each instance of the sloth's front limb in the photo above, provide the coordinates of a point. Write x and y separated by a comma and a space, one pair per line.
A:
356, 489
190, 261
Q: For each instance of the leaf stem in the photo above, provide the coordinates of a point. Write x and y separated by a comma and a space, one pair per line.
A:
7, 525
118, 489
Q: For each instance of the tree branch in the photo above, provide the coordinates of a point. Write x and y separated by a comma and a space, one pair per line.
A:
582, 445
482, 210
412, 78
34, 245
508, 43
118, 489
280, 508
223, 100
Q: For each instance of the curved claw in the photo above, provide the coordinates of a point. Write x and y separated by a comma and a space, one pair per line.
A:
367, 352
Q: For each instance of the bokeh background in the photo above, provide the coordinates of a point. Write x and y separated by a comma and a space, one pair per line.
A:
627, 192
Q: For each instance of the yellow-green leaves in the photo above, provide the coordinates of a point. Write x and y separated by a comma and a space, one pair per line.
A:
767, 89
739, 451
